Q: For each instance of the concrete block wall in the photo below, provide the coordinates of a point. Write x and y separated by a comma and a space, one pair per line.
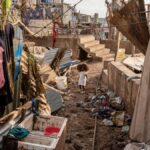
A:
46, 41
112, 45
117, 75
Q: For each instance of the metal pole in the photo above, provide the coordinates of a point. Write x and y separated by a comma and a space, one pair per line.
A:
62, 8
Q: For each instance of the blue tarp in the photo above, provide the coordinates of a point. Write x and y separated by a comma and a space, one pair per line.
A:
54, 99
69, 64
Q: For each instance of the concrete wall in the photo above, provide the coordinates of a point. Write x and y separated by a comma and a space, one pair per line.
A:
112, 45
72, 42
36, 25
116, 79
68, 16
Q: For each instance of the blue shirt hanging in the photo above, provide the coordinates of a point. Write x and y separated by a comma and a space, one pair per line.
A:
18, 48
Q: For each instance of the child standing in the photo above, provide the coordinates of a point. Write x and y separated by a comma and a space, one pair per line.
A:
82, 68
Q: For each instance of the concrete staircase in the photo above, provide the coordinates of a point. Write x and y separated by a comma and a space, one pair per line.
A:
94, 48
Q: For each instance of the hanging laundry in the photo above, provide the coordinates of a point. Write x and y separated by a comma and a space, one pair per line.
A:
6, 42
54, 35
18, 47
2, 79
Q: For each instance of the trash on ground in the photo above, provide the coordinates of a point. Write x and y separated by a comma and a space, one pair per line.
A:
137, 146
125, 129
117, 103
118, 118
135, 63
108, 122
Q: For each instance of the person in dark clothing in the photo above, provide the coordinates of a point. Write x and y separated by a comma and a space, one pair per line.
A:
6, 42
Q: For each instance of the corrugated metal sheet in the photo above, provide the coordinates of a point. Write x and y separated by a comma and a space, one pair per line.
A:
54, 99
49, 56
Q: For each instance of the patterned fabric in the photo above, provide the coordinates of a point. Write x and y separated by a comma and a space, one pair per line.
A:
6, 42
18, 47
2, 79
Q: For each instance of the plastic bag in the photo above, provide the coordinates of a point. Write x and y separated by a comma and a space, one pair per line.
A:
61, 82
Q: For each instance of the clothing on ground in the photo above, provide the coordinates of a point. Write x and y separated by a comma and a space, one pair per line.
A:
2, 79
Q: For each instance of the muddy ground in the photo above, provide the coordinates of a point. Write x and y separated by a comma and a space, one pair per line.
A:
80, 129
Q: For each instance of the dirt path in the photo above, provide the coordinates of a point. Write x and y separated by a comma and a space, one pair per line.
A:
80, 120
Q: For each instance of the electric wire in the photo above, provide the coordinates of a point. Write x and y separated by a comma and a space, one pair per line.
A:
60, 16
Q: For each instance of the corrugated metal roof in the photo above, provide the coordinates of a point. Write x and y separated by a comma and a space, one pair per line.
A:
49, 56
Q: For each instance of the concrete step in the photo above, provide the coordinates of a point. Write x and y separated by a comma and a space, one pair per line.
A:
95, 47
102, 52
86, 38
107, 56
91, 43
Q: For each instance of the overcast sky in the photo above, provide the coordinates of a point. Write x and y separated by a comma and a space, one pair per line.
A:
92, 6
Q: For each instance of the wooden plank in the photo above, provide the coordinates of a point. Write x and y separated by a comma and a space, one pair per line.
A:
13, 115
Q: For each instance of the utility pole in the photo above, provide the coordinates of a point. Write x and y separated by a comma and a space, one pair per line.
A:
62, 9
115, 6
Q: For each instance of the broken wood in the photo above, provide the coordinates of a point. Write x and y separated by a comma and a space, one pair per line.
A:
17, 21
13, 115
131, 24
118, 43
133, 50
57, 59
94, 136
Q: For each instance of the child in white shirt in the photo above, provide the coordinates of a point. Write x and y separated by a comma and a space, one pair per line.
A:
82, 68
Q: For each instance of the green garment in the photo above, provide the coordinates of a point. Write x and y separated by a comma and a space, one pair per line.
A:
19, 133
6, 6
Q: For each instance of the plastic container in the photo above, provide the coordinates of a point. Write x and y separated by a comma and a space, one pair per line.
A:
61, 82
37, 140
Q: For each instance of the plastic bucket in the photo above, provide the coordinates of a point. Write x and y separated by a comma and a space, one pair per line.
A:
61, 82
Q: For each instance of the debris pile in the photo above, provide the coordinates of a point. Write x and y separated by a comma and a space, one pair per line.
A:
108, 108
